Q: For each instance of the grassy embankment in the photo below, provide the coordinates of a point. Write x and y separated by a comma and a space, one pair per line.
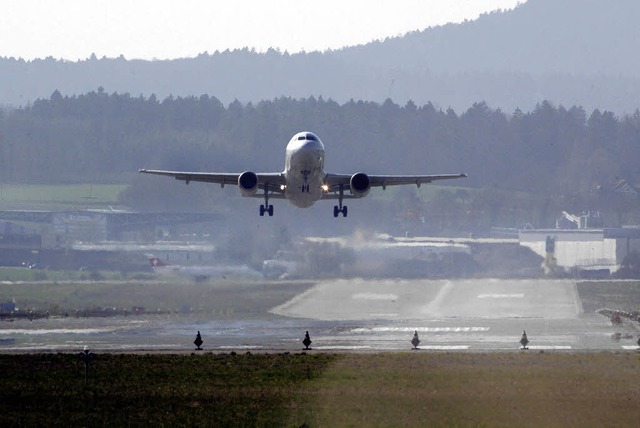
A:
389, 389
104, 196
14, 274
220, 298
621, 295
59, 197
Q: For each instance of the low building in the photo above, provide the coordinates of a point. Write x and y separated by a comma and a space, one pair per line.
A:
583, 249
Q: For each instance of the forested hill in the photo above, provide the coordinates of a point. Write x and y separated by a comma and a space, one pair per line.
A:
100, 137
571, 52
576, 37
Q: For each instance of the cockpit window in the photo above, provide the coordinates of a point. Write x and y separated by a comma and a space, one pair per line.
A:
306, 136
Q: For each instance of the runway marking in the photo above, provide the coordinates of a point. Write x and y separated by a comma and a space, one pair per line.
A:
454, 329
131, 347
338, 347
97, 346
434, 306
421, 329
444, 347
42, 331
240, 347
375, 296
550, 347
501, 296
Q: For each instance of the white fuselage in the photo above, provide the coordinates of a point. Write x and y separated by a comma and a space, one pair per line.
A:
304, 169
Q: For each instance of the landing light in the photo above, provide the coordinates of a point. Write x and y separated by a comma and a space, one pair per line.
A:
282, 187
325, 187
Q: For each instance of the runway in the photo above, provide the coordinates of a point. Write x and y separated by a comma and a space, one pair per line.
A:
357, 315
417, 300
455, 315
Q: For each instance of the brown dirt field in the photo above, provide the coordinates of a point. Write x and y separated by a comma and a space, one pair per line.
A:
455, 389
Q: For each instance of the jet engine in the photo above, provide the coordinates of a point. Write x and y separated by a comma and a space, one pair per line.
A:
360, 184
248, 183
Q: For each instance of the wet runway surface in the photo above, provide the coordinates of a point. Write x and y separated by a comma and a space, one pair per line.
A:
356, 315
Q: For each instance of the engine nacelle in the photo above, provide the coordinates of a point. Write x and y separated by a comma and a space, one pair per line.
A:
360, 184
248, 183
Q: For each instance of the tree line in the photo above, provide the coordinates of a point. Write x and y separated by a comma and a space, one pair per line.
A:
99, 137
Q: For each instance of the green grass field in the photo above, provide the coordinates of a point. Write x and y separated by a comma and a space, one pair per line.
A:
33, 275
83, 196
389, 389
154, 390
59, 197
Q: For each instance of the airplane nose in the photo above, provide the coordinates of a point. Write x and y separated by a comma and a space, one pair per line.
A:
310, 144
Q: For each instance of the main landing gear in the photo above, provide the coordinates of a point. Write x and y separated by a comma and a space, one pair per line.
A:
266, 208
337, 209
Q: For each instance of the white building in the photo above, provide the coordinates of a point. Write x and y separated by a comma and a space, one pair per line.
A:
584, 249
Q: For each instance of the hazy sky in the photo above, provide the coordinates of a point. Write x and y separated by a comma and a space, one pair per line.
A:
73, 29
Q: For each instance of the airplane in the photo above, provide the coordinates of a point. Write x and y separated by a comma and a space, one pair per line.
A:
304, 180
203, 273
616, 316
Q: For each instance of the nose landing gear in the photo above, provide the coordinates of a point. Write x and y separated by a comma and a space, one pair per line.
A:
305, 187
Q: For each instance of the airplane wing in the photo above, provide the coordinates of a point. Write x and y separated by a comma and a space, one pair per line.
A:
334, 181
271, 180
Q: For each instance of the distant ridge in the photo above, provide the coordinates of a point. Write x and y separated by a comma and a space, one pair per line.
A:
587, 37
570, 52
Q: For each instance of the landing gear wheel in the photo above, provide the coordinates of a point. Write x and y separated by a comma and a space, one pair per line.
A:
268, 210
337, 210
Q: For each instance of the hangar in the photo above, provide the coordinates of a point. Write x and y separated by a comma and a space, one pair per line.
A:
602, 249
